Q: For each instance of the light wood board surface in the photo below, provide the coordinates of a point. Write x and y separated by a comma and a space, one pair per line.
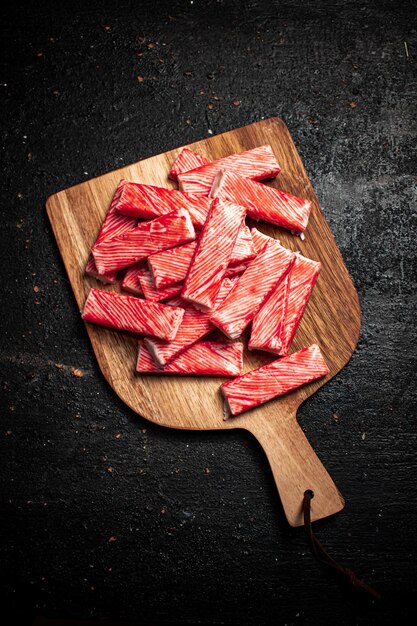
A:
332, 318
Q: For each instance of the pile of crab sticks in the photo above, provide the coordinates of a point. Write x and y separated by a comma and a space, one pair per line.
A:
190, 264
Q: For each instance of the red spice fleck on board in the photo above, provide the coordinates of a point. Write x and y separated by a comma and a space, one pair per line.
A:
140, 78
236, 103
112, 539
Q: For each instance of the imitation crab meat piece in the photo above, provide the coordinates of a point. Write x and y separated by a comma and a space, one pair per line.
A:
275, 324
206, 358
269, 321
273, 380
138, 280
148, 201
302, 278
262, 202
91, 270
212, 255
130, 280
236, 270
195, 325
260, 239
171, 266
244, 249
257, 164
185, 161
130, 314
113, 225
164, 232
153, 293
252, 289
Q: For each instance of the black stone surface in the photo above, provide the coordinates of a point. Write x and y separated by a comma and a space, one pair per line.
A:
105, 515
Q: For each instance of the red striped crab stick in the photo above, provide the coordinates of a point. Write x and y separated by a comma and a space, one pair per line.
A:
205, 358
273, 380
147, 238
131, 314
262, 202
258, 163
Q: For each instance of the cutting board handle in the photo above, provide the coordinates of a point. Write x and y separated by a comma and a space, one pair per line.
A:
296, 468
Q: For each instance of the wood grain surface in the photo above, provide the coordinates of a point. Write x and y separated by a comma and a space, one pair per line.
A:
332, 318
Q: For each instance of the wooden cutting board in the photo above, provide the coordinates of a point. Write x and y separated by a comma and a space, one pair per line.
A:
332, 318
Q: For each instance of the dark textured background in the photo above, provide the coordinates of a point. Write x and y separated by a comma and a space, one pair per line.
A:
200, 536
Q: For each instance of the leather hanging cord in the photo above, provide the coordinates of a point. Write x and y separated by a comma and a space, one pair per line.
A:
325, 559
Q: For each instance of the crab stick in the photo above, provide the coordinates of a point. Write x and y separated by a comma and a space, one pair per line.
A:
130, 280
171, 266
252, 289
257, 164
273, 380
185, 161
195, 325
236, 270
161, 233
262, 202
269, 321
244, 249
205, 358
148, 201
260, 239
138, 280
130, 314
153, 293
301, 282
212, 255
114, 224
